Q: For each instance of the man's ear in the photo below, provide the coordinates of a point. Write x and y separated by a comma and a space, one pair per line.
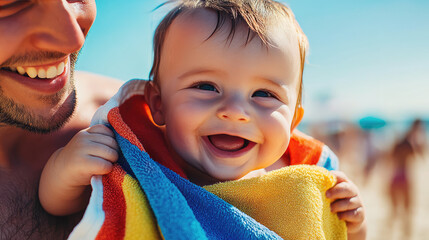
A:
299, 114
152, 95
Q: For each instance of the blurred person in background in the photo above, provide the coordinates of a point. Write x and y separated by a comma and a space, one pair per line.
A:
404, 151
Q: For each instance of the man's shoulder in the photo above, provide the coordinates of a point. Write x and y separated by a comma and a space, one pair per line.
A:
92, 91
97, 85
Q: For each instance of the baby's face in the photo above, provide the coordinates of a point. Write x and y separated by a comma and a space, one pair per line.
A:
228, 107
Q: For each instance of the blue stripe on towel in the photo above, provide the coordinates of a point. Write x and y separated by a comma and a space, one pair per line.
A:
184, 210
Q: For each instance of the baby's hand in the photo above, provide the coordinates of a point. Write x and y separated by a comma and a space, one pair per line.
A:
90, 152
348, 205
64, 184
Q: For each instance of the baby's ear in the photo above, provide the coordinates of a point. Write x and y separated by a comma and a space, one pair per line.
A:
297, 117
152, 95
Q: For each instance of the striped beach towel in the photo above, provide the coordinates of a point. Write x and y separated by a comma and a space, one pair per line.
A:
147, 195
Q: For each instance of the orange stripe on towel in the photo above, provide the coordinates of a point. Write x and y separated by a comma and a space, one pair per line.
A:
303, 149
114, 206
115, 119
135, 113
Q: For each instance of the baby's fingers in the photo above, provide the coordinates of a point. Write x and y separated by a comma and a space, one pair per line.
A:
98, 166
100, 129
342, 190
354, 216
102, 134
91, 166
103, 151
353, 227
343, 205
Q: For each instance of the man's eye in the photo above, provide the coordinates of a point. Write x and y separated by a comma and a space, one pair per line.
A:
262, 93
206, 87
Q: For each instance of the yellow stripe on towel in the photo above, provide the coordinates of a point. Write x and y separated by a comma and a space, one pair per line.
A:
290, 201
140, 222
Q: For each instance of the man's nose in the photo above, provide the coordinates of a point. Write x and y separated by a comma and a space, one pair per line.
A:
57, 28
234, 109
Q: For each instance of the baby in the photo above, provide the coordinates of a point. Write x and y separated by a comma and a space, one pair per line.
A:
227, 92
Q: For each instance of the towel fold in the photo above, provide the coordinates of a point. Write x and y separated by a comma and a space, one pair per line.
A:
289, 201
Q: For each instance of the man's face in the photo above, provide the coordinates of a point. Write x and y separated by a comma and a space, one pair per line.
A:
38, 48
228, 107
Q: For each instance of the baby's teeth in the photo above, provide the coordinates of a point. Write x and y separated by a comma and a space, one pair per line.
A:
41, 73
20, 70
32, 72
52, 72
60, 68
13, 69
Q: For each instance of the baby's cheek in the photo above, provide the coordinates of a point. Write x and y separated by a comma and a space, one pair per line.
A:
182, 127
279, 123
277, 133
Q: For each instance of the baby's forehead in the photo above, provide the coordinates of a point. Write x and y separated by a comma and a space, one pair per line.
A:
210, 25
192, 44
201, 22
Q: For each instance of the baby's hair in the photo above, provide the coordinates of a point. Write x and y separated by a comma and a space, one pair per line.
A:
258, 15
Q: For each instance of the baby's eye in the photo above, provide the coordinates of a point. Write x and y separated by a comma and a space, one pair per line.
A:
262, 93
206, 87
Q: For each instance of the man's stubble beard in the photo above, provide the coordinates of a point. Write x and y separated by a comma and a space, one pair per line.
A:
18, 115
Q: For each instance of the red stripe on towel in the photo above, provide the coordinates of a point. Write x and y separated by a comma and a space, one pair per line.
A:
136, 114
114, 206
115, 119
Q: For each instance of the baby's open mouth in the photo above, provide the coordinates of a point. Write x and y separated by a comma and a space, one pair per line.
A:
228, 143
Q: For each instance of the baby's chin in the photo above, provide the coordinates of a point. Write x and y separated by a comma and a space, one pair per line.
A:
210, 173
223, 175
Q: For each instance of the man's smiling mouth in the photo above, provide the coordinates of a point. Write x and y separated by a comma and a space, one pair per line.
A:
43, 72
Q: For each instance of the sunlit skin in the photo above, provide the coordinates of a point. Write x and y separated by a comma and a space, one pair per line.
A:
227, 108
211, 87
36, 43
40, 34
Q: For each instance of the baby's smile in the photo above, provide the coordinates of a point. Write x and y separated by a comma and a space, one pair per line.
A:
227, 142
228, 146
227, 103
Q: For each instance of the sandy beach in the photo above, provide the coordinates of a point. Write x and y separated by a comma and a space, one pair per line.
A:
376, 201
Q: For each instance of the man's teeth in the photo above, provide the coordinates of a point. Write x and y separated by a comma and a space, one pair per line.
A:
32, 72
41, 72
20, 70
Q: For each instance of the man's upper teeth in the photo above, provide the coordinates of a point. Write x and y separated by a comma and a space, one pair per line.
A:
20, 70
41, 72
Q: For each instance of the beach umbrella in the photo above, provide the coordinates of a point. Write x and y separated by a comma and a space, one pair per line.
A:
371, 122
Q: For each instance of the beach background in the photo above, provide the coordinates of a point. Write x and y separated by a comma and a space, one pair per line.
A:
366, 79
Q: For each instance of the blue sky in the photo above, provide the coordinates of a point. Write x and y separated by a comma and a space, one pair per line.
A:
366, 57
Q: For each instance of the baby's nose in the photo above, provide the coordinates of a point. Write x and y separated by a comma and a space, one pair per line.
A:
233, 111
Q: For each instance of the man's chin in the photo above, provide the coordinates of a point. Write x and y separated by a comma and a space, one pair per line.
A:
18, 116
64, 101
